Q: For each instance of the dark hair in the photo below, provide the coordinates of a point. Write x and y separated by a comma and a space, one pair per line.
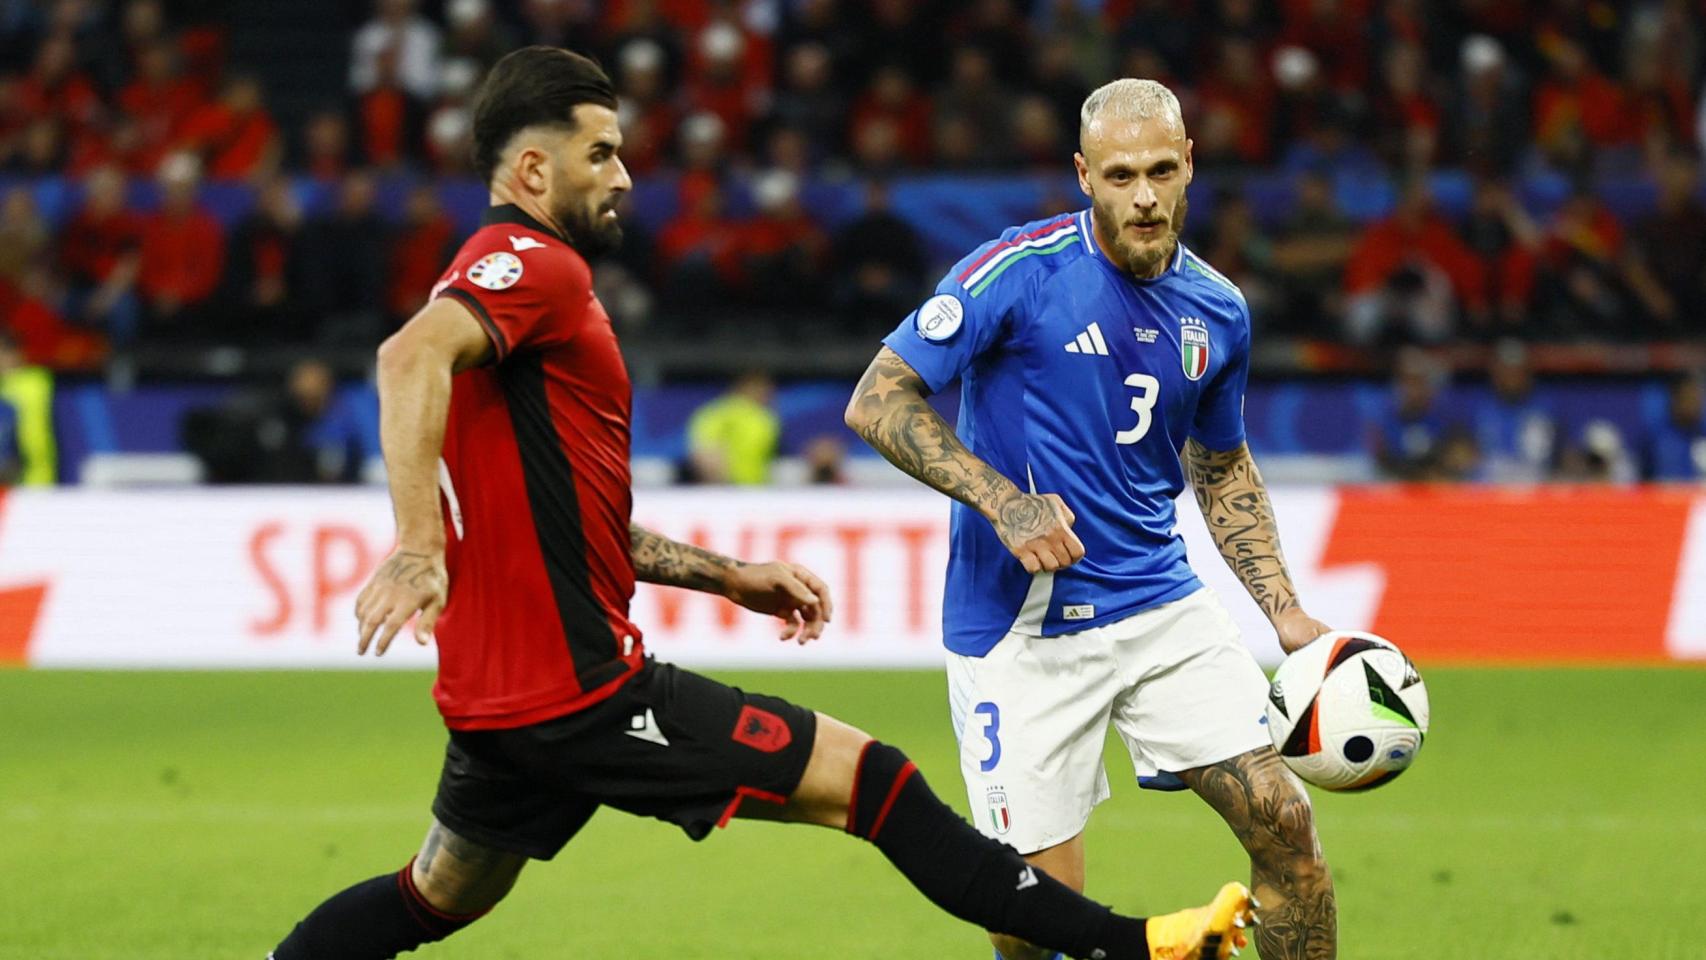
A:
533, 86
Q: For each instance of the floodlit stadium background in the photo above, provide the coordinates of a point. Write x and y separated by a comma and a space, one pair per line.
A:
1473, 240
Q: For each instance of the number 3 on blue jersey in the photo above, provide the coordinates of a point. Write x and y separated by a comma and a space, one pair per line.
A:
991, 732
1149, 390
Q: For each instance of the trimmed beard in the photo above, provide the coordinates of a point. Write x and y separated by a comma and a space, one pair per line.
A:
591, 235
1175, 227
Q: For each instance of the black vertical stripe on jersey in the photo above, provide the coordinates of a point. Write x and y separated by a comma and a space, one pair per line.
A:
556, 514
500, 344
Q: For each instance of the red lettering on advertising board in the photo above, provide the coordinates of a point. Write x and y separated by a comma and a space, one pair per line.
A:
915, 539
849, 579
265, 534
851, 606
340, 559
337, 579
20, 609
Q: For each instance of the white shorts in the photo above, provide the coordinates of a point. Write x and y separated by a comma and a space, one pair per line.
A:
1032, 716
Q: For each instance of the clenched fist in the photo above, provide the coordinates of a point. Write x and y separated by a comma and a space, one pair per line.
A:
1037, 528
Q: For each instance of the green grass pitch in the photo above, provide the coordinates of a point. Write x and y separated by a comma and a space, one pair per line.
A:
1553, 814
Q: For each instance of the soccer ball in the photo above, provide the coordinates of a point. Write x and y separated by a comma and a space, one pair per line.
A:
1348, 711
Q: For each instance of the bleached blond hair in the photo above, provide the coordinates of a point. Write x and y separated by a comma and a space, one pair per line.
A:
1131, 100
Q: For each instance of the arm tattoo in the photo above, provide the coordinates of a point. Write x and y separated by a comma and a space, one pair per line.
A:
890, 413
407, 568
1235, 505
658, 559
1269, 812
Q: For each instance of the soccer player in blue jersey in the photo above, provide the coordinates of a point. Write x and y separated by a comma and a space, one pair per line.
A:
1094, 351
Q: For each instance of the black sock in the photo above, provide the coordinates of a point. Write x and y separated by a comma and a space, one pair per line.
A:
977, 879
373, 920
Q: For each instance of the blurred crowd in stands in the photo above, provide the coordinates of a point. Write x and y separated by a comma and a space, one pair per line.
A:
104, 96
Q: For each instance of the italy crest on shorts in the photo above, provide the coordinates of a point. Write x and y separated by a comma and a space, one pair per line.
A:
1000, 816
496, 271
1193, 347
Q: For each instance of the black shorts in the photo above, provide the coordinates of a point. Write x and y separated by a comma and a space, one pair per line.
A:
669, 744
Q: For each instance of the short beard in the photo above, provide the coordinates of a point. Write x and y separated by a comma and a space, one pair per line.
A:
1140, 263
592, 236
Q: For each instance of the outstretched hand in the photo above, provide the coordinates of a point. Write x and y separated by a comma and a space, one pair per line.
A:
784, 590
408, 582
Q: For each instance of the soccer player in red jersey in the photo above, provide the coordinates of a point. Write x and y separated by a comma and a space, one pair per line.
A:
505, 423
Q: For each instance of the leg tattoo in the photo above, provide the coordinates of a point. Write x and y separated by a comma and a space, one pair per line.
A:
1268, 810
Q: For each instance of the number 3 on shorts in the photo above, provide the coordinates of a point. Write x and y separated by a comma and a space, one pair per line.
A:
991, 732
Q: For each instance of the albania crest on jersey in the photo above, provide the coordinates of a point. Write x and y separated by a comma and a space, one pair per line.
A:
1193, 347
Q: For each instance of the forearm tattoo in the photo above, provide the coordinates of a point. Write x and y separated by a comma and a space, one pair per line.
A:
1269, 812
896, 421
1235, 504
658, 559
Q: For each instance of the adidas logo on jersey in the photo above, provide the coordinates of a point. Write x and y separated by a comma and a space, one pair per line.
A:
1090, 341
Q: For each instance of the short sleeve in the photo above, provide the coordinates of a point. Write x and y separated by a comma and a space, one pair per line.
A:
524, 299
951, 329
1219, 423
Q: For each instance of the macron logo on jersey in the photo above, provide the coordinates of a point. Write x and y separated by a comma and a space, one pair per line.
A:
644, 726
1089, 341
525, 243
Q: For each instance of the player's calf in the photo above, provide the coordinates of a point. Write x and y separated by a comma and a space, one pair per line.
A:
1269, 811
451, 883
1064, 862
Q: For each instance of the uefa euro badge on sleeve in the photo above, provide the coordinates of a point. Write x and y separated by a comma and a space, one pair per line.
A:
940, 317
496, 271
1193, 347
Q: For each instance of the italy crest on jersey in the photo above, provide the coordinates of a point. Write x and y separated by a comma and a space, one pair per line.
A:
1193, 347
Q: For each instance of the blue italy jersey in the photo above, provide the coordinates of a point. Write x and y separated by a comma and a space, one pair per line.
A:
1080, 380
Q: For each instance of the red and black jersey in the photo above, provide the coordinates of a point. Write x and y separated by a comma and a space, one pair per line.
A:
535, 485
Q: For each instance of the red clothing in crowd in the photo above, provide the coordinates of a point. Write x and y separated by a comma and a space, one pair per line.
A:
93, 244
181, 257
159, 110
43, 336
1389, 244
384, 114
911, 119
232, 144
1252, 108
1338, 38
687, 15
1592, 102
1591, 232
767, 236
645, 145
701, 231
731, 100
417, 258
73, 98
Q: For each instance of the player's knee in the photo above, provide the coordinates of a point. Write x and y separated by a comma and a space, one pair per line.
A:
1012, 948
825, 793
459, 890
881, 773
